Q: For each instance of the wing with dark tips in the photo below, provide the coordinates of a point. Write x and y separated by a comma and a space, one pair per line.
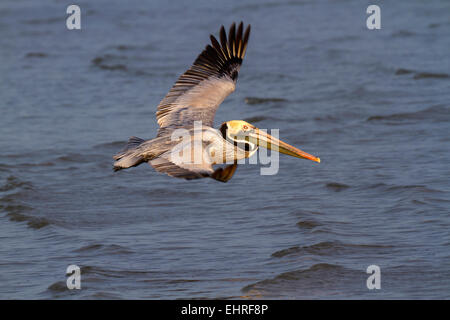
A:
200, 90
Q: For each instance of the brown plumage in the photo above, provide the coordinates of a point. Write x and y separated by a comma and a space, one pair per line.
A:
195, 98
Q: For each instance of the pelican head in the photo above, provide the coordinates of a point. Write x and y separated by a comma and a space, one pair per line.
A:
241, 132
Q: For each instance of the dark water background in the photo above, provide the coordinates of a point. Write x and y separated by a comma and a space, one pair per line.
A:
374, 105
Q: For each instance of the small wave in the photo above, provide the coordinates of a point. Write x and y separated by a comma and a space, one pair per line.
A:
13, 182
112, 248
402, 71
421, 75
302, 213
419, 202
421, 188
110, 273
434, 25
13, 208
113, 67
32, 222
105, 295
121, 63
59, 286
327, 118
16, 212
437, 113
130, 47
297, 274
403, 34
285, 252
337, 187
438, 200
308, 224
255, 100
405, 188
106, 63
123, 47
426, 75
318, 275
327, 248
36, 55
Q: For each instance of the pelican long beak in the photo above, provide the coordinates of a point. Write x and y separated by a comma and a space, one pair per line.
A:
265, 140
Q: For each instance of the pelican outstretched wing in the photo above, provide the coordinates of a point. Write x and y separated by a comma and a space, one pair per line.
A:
200, 90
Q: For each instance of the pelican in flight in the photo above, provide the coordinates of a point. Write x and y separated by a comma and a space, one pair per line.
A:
187, 146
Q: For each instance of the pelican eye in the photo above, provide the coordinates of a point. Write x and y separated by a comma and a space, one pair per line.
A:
245, 127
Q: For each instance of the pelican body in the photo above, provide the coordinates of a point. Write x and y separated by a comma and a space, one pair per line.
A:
187, 146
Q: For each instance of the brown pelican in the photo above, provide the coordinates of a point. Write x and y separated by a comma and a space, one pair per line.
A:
186, 117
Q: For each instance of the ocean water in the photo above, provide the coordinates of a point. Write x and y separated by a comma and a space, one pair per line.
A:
374, 105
